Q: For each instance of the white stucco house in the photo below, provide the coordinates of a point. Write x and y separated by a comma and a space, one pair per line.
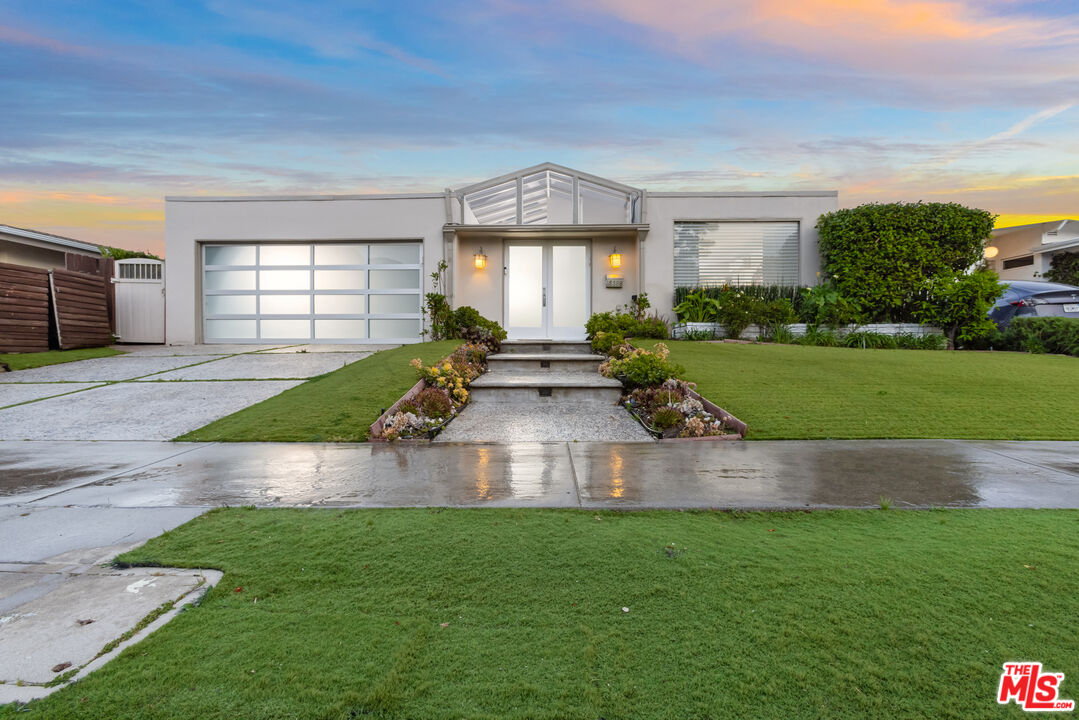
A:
538, 250
1025, 252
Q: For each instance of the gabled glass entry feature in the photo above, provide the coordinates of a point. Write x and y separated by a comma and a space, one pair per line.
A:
549, 194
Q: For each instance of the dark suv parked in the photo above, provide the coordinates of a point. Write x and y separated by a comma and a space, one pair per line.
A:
1028, 298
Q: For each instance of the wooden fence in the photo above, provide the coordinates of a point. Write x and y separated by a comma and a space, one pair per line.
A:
24, 309
81, 310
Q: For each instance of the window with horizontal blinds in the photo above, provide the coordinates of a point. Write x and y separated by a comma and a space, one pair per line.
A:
738, 253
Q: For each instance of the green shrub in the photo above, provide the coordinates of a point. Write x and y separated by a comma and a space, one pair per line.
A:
737, 311
824, 306
959, 304
773, 316
869, 340
818, 337
642, 368
1057, 335
693, 335
698, 307
667, 417
880, 256
627, 325
1064, 268
471, 326
781, 335
604, 342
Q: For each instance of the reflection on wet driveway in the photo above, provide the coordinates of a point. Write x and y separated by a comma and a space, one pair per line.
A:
792, 474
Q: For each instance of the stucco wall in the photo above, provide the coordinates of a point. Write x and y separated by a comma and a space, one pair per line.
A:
663, 210
188, 223
1019, 243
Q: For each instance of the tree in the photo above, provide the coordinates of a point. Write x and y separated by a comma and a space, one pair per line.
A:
880, 256
1064, 268
959, 305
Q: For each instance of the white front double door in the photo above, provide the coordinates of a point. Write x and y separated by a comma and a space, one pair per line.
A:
547, 289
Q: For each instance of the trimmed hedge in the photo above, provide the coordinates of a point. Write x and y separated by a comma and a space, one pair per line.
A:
881, 255
1057, 335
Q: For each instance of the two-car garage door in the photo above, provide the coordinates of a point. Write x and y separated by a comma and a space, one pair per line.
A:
312, 292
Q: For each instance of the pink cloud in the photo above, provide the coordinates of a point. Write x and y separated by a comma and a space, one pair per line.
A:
895, 36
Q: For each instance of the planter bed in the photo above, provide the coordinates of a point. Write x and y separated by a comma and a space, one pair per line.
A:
407, 419
736, 429
799, 329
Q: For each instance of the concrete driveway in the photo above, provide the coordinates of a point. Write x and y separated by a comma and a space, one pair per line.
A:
156, 393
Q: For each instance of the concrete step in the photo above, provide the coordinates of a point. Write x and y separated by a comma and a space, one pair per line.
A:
545, 387
544, 362
547, 346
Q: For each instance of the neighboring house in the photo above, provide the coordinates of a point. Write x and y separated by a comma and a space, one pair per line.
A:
1024, 252
41, 250
538, 250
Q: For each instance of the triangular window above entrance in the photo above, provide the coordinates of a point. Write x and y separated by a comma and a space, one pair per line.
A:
549, 194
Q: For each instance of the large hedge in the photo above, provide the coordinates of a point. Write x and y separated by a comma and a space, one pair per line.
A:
1064, 268
882, 256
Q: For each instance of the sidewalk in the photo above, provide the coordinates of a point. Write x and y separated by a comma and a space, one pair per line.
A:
767, 474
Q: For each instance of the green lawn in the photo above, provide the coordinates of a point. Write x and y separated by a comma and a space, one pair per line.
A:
519, 614
25, 361
335, 407
795, 392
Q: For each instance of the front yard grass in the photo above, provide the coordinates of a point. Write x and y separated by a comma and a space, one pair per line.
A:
336, 407
427, 613
795, 392
25, 361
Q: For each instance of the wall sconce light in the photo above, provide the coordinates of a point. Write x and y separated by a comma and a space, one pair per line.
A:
991, 252
615, 258
480, 260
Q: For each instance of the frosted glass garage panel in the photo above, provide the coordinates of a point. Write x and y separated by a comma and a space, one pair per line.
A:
340, 279
384, 254
230, 255
394, 328
340, 304
285, 305
229, 280
340, 329
284, 255
393, 279
230, 330
394, 304
285, 329
230, 305
284, 279
738, 253
340, 254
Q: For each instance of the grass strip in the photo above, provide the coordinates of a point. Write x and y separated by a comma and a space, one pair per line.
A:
336, 407
508, 613
793, 392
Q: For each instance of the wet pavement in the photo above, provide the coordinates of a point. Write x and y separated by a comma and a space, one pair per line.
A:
765, 474
156, 392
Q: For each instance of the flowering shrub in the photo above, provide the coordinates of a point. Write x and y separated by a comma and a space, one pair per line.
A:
446, 392
639, 368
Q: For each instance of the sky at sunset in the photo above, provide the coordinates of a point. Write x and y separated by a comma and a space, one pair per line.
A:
110, 106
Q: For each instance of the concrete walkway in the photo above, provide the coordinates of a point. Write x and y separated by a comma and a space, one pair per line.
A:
767, 474
67, 507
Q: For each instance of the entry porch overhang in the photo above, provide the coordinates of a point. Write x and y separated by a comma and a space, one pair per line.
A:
452, 231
